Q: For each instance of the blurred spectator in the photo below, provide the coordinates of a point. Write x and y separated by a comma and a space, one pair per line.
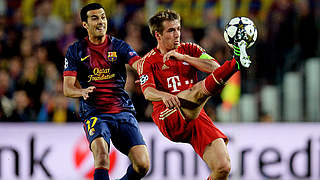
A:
61, 113
133, 37
6, 106
280, 38
67, 38
136, 33
3, 7
117, 22
32, 82
26, 48
51, 78
307, 29
50, 25
187, 35
46, 109
215, 44
22, 111
15, 72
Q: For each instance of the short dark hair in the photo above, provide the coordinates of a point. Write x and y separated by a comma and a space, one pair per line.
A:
89, 7
156, 21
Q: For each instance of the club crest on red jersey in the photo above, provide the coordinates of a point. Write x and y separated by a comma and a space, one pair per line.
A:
112, 56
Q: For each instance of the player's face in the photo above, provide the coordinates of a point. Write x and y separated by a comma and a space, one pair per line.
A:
96, 24
170, 38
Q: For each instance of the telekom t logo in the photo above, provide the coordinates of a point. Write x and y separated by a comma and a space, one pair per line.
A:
174, 82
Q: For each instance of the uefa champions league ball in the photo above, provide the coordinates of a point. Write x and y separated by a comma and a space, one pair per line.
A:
240, 28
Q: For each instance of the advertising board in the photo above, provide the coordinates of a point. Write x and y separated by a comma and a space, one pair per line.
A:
258, 151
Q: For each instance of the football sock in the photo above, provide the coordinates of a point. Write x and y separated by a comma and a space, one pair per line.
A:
216, 80
236, 52
101, 174
131, 174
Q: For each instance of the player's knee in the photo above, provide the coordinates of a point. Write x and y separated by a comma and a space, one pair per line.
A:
223, 169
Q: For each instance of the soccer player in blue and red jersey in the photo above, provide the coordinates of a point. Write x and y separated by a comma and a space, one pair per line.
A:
168, 78
95, 73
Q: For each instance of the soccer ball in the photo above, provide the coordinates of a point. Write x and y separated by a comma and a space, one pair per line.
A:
240, 28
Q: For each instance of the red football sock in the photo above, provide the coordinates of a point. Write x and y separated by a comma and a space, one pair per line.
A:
215, 82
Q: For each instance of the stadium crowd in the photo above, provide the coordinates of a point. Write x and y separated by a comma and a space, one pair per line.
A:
34, 35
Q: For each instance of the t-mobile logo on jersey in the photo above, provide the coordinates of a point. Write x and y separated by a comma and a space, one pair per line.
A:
174, 82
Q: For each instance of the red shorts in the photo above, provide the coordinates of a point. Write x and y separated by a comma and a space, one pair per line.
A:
199, 132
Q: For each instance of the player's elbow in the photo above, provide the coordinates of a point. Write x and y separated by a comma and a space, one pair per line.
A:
147, 96
66, 92
212, 66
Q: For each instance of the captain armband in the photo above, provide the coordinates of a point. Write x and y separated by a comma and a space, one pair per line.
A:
205, 56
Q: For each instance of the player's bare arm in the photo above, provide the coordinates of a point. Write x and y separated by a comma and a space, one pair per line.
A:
204, 65
72, 89
168, 99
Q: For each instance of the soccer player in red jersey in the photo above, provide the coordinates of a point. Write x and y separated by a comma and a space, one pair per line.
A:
168, 79
95, 73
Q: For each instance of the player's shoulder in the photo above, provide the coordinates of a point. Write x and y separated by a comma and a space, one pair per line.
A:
150, 55
117, 43
190, 45
76, 47
147, 60
80, 44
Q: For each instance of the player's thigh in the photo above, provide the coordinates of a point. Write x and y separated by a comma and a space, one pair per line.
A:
204, 133
127, 134
216, 154
139, 156
192, 101
97, 133
195, 94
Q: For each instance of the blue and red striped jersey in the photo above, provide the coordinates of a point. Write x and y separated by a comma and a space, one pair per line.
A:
102, 66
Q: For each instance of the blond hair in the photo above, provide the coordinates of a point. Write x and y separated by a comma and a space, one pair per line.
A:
156, 21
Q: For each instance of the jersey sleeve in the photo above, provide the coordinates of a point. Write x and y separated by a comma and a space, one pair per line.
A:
70, 68
146, 75
129, 53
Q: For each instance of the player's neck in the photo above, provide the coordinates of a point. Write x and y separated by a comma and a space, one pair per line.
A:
97, 40
162, 49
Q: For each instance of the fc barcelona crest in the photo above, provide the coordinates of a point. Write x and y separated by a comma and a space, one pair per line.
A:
112, 56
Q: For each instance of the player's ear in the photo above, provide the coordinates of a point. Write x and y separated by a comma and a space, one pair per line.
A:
85, 25
156, 34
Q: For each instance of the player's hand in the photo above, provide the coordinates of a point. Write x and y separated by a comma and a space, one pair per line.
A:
173, 54
137, 82
85, 92
171, 101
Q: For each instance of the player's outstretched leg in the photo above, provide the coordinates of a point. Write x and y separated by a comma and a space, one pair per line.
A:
193, 99
217, 158
217, 79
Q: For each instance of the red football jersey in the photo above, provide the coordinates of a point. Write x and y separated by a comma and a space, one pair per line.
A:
173, 76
